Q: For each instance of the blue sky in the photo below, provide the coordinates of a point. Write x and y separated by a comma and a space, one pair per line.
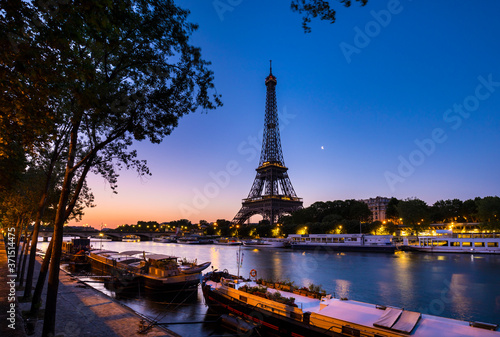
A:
397, 98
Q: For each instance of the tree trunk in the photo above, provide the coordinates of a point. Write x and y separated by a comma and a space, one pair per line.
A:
34, 242
38, 220
36, 302
26, 246
18, 243
49, 321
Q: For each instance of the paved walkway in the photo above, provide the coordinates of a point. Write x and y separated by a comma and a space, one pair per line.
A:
82, 311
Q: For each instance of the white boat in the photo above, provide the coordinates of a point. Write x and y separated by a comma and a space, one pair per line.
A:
194, 240
299, 313
343, 242
164, 239
267, 243
472, 243
228, 242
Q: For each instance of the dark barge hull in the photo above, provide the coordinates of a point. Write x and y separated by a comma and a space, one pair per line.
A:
268, 322
331, 248
121, 280
158, 285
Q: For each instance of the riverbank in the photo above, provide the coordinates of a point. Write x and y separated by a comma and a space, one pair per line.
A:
81, 310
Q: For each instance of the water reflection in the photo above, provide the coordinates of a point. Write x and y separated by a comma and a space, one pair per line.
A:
452, 285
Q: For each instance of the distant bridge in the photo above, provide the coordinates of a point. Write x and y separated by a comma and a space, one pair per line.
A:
114, 236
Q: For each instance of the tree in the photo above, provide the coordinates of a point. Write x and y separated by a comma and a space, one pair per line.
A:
392, 211
489, 209
115, 72
414, 212
446, 210
469, 211
358, 210
315, 8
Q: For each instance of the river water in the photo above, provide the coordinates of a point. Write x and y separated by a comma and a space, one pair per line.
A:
461, 286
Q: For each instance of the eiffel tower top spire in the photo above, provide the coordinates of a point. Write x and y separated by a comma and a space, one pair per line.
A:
271, 152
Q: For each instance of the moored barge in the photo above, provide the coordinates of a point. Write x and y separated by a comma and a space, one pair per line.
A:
156, 272
283, 313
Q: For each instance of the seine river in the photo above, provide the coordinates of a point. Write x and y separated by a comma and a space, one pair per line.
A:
461, 286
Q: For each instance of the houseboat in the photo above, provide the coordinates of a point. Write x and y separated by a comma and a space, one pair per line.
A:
75, 253
343, 242
164, 239
194, 240
276, 312
228, 242
151, 271
267, 243
471, 243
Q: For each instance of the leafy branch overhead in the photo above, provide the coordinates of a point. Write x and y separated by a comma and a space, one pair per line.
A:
86, 79
318, 8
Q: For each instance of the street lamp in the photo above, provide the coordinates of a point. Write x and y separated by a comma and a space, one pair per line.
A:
101, 234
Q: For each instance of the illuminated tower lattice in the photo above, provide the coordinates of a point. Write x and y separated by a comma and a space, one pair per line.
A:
272, 193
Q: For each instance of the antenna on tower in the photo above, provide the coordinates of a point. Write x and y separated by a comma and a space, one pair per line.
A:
271, 67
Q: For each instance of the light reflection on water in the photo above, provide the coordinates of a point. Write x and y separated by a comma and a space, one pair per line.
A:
451, 285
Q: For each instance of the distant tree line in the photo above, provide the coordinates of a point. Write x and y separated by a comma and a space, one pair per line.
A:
338, 216
416, 213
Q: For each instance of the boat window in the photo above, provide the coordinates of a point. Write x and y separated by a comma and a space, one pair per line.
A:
466, 244
492, 244
455, 244
440, 243
478, 244
243, 299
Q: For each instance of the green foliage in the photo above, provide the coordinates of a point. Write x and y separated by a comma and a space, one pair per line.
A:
318, 8
488, 209
413, 211
273, 296
323, 217
392, 210
446, 210
181, 223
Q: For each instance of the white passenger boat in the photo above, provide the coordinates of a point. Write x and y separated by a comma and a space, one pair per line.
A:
227, 242
276, 312
343, 242
164, 239
267, 243
472, 243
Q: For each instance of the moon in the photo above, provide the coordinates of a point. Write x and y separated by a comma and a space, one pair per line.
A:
322, 147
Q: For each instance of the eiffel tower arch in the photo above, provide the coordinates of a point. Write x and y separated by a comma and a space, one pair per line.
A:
272, 193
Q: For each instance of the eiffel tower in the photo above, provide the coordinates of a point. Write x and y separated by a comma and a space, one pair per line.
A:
272, 193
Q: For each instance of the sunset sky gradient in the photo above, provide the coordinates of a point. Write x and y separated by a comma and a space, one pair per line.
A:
397, 98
